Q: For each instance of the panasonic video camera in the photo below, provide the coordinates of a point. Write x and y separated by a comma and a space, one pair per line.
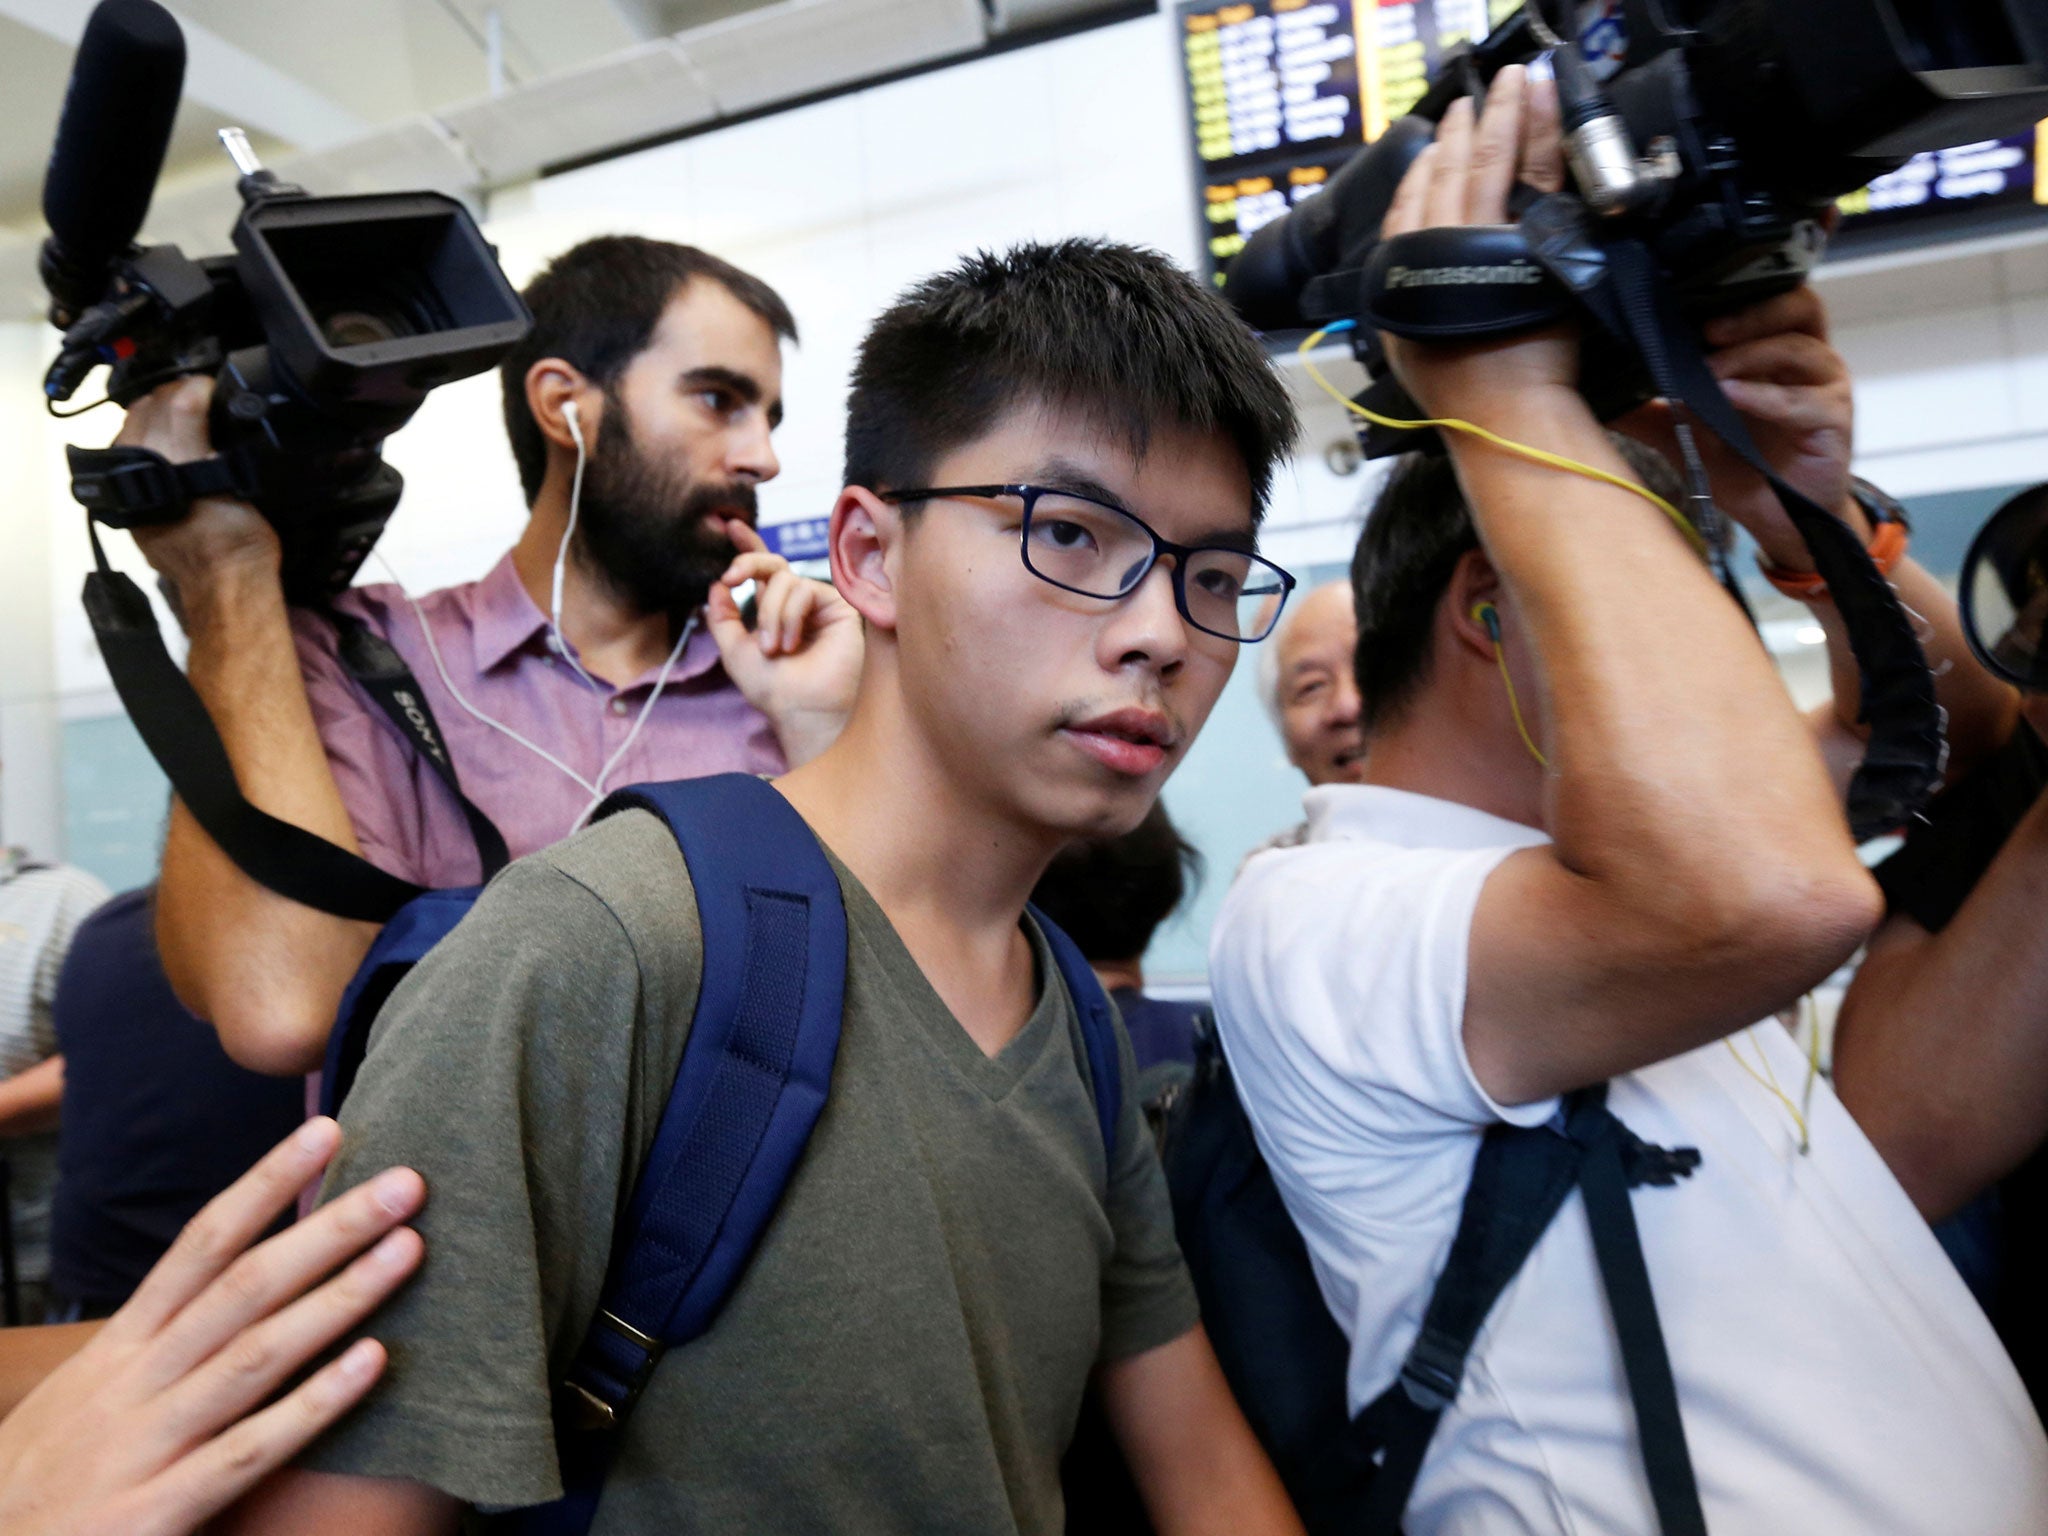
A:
1717, 134
324, 330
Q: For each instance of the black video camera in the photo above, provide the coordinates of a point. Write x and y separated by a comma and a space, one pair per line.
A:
324, 331
1718, 140
1703, 166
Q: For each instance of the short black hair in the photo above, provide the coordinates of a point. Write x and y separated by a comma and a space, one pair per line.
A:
1418, 531
1111, 895
1113, 332
596, 306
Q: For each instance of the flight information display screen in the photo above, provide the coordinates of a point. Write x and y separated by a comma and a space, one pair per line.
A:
1973, 182
1282, 92
1285, 91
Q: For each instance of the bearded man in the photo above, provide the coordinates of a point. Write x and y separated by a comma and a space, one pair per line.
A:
604, 649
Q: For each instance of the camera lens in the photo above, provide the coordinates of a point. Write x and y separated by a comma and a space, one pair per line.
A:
361, 327
360, 314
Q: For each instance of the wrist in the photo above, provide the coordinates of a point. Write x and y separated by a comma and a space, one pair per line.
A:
1879, 524
1551, 417
216, 595
1504, 400
1782, 551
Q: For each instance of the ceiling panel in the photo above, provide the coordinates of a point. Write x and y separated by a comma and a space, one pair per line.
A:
648, 90
800, 46
359, 54
413, 72
34, 69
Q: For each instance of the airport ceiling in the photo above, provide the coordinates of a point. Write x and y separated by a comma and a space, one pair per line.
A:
461, 95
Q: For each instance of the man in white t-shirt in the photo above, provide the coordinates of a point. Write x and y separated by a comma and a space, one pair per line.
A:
1478, 930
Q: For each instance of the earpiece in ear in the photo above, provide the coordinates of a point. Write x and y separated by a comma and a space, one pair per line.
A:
574, 416
1486, 615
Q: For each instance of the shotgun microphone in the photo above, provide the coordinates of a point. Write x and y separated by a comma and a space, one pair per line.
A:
111, 139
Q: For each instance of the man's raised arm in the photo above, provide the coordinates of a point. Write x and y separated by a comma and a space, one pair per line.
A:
1701, 873
265, 970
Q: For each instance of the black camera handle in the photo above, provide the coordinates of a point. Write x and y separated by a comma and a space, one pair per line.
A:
174, 724
1445, 284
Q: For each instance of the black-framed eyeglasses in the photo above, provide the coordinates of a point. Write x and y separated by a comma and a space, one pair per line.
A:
1092, 548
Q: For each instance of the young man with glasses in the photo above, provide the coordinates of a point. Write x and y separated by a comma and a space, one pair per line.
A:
958, 1253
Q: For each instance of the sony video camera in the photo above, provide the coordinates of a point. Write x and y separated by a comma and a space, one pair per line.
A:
1716, 135
324, 331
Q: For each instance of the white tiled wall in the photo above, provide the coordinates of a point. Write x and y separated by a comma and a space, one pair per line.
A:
841, 205
1950, 353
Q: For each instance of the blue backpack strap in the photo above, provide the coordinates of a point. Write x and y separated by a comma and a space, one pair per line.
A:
1098, 1028
751, 1086
413, 929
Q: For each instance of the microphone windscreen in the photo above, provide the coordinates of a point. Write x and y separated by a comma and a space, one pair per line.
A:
114, 130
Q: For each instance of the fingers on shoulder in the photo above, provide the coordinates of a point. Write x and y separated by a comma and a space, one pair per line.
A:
225, 1227
255, 1361
206, 1481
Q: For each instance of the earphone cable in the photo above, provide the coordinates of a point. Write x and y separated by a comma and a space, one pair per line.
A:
434, 650
572, 415
1508, 445
660, 682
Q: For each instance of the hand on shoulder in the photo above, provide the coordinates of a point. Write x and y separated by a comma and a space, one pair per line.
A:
165, 1417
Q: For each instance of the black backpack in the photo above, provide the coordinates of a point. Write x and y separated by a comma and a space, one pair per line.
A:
1286, 1358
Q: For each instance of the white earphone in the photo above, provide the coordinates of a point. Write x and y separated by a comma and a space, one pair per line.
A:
573, 415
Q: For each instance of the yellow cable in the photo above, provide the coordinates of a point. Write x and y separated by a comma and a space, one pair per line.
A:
1768, 1080
1515, 705
1812, 1052
1520, 450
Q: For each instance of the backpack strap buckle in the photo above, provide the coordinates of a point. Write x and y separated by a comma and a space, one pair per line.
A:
1432, 1371
609, 1374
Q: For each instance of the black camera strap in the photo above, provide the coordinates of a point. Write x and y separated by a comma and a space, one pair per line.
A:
382, 673
180, 735
1907, 752
174, 724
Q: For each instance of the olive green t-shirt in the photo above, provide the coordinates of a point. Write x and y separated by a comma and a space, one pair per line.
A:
907, 1351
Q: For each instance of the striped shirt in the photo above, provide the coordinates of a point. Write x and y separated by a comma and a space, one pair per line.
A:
40, 908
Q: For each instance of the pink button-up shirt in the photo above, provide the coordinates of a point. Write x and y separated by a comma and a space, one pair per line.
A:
497, 649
